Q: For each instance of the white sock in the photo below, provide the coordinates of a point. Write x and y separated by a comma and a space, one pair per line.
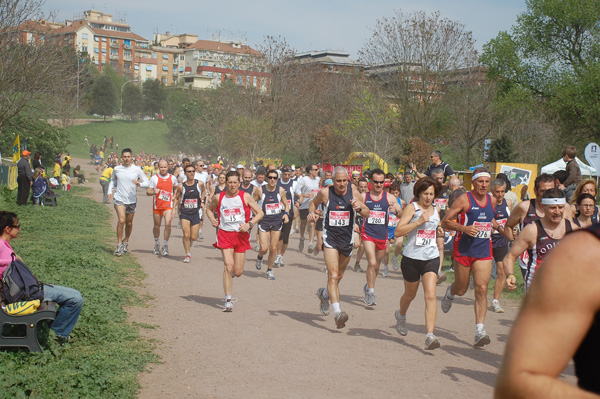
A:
228, 297
371, 290
336, 307
157, 241
429, 335
165, 243
401, 317
325, 293
495, 301
188, 254
479, 327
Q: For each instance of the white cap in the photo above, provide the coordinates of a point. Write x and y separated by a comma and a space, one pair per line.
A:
233, 169
240, 166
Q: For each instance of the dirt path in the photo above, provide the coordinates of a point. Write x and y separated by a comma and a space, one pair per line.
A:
276, 343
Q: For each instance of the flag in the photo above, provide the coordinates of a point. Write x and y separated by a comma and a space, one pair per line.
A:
16, 150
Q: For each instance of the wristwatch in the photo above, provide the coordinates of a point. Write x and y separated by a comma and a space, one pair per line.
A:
251, 224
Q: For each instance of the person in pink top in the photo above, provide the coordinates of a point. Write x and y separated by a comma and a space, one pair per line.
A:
68, 299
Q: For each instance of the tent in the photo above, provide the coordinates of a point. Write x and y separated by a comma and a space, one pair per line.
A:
561, 165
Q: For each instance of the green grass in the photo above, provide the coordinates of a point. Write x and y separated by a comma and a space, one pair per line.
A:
69, 245
151, 137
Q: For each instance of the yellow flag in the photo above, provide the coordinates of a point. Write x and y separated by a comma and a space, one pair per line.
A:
17, 149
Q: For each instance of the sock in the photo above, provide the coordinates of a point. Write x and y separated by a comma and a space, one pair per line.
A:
228, 297
479, 327
325, 293
495, 301
199, 231
165, 243
401, 317
371, 290
429, 335
450, 295
336, 307
188, 254
156, 241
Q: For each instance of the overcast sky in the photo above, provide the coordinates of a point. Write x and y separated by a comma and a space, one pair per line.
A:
306, 25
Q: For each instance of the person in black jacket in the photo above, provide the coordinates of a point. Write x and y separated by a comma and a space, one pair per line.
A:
24, 178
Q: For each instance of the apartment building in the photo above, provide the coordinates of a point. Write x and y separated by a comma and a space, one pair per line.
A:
331, 60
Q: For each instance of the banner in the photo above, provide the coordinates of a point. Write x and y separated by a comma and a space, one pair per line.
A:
327, 167
16, 150
592, 155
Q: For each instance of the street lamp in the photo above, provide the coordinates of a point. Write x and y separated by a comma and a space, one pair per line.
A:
129, 81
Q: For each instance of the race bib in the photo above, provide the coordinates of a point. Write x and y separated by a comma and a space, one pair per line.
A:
425, 238
272, 209
376, 217
485, 230
393, 220
164, 195
339, 218
501, 223
190, 203
233, 215
441, 203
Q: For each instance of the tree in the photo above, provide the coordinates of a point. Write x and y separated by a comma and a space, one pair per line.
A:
333, 147
501, 150
553, 57
104, 97
38, 134
155, 96
417, 152
133, 102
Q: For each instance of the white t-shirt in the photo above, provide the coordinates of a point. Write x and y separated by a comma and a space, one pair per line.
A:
122, 178
309, 187
202, 176
256, 184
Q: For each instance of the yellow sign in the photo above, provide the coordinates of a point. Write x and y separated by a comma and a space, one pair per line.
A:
16, 150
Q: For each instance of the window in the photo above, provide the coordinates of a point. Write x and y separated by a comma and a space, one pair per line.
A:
127, 53
103, 51
95, 38
149, 68
96, 51
239, 80
136, 67
114, 51
104, 39
84, 49
127, 42
181, 69
165, 80
165, 68
181, 57
165, 57
219, 75
209, 74
254, 81
248, 80
96, 62
205, 63
84, 36
154, 55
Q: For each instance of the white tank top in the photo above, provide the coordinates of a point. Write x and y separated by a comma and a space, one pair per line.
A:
421, 243
233, 212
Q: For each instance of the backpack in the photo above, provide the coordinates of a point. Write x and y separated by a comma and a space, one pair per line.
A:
19, 284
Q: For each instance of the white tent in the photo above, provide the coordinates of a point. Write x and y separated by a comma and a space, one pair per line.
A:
561, 165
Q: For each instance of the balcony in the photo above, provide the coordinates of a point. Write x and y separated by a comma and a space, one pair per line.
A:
128, 46
127, 57
114, 44
114, 57
175, 61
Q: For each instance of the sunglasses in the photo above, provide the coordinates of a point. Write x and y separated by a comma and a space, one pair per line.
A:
190, 171
18, 226
377, 182
272, 177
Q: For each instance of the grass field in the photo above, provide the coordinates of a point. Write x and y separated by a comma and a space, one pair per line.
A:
66, 245
151, 137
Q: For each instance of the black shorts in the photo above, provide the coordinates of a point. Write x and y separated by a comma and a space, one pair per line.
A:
303, 214
413, 269
194, 218
265, 228
345, 250
319, 225
500, 252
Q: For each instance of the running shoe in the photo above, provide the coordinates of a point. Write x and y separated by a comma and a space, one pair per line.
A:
281, 261
124, 246
257, 247
119, 250
165, 250
301, 245
441, 277
447, 301
386, 271
395, 264
156, 249
324, 305
482, 339
200, 235
340, 319
401, 324
431, 342
270, 275
311, 247
187, 259
370, 299
357, 268
228, 307
258, 264
277, 258
496, 308
297, 229
366, 288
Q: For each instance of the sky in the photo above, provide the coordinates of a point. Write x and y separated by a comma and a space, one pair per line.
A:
306, 25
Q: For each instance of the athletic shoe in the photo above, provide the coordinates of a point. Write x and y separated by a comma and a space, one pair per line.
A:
340, 319
482, 339
447, 301
258, 264
200, 235
370, 299
357, 268
281, 261
400, 324
395, 264
187, 259
311, 247
277, 259
431, 342
441, 278
324, 305
119, 250
165, 250
366, 288
124, 246
301, 245
228, 307
496, 308
297, 229
257, 247
386, 271
270, 275
156, 249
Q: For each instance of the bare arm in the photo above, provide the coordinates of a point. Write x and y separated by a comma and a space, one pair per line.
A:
258, 213
286, 207
515, 218
321, 197
459, 206
404, 226
525, 241
214, 202
537, 351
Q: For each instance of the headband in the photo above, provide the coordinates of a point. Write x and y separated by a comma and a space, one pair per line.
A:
553, 201
480, 174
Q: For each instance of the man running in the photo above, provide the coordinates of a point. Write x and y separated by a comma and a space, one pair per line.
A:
247, 185
202, 176
162, 186
499, 243
307, 188
472, 247
289, 186
342, 203
374, 231
274, 204
126, 178
363, 187
190, 196
233, 209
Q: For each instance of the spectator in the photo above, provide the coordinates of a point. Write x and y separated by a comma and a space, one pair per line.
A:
573, 172
56, 171
105, 181
66, 166
436, 158
406, 188
37, 161
24, 178
78, 174
39, 186
69, 300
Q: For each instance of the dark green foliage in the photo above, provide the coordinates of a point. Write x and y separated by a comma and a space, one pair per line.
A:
501, 150
104, 96
155, 97
39, 135
133, 103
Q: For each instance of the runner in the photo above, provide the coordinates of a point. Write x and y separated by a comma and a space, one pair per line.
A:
587, 186
441, 203
233, 220
307, 188
271, 197
247, 185
289, 186
392, 223
499, 243
218, 188
420, 223
125, 178
472, 247
190, 196
202, 176
342, 203
162, 186
363, 187
540, 237
374, 231
587, 205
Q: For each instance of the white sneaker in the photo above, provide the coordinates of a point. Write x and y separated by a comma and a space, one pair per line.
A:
257, 247
400, 324
258, 264
165, 250
310, 248
270, 275
481, 339
200, 235
281, 261
395, 264
156, 249
277, 258
228, 307
386, 271
496, 308
431, 342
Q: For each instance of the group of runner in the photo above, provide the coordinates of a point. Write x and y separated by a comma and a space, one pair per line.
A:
345, 213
